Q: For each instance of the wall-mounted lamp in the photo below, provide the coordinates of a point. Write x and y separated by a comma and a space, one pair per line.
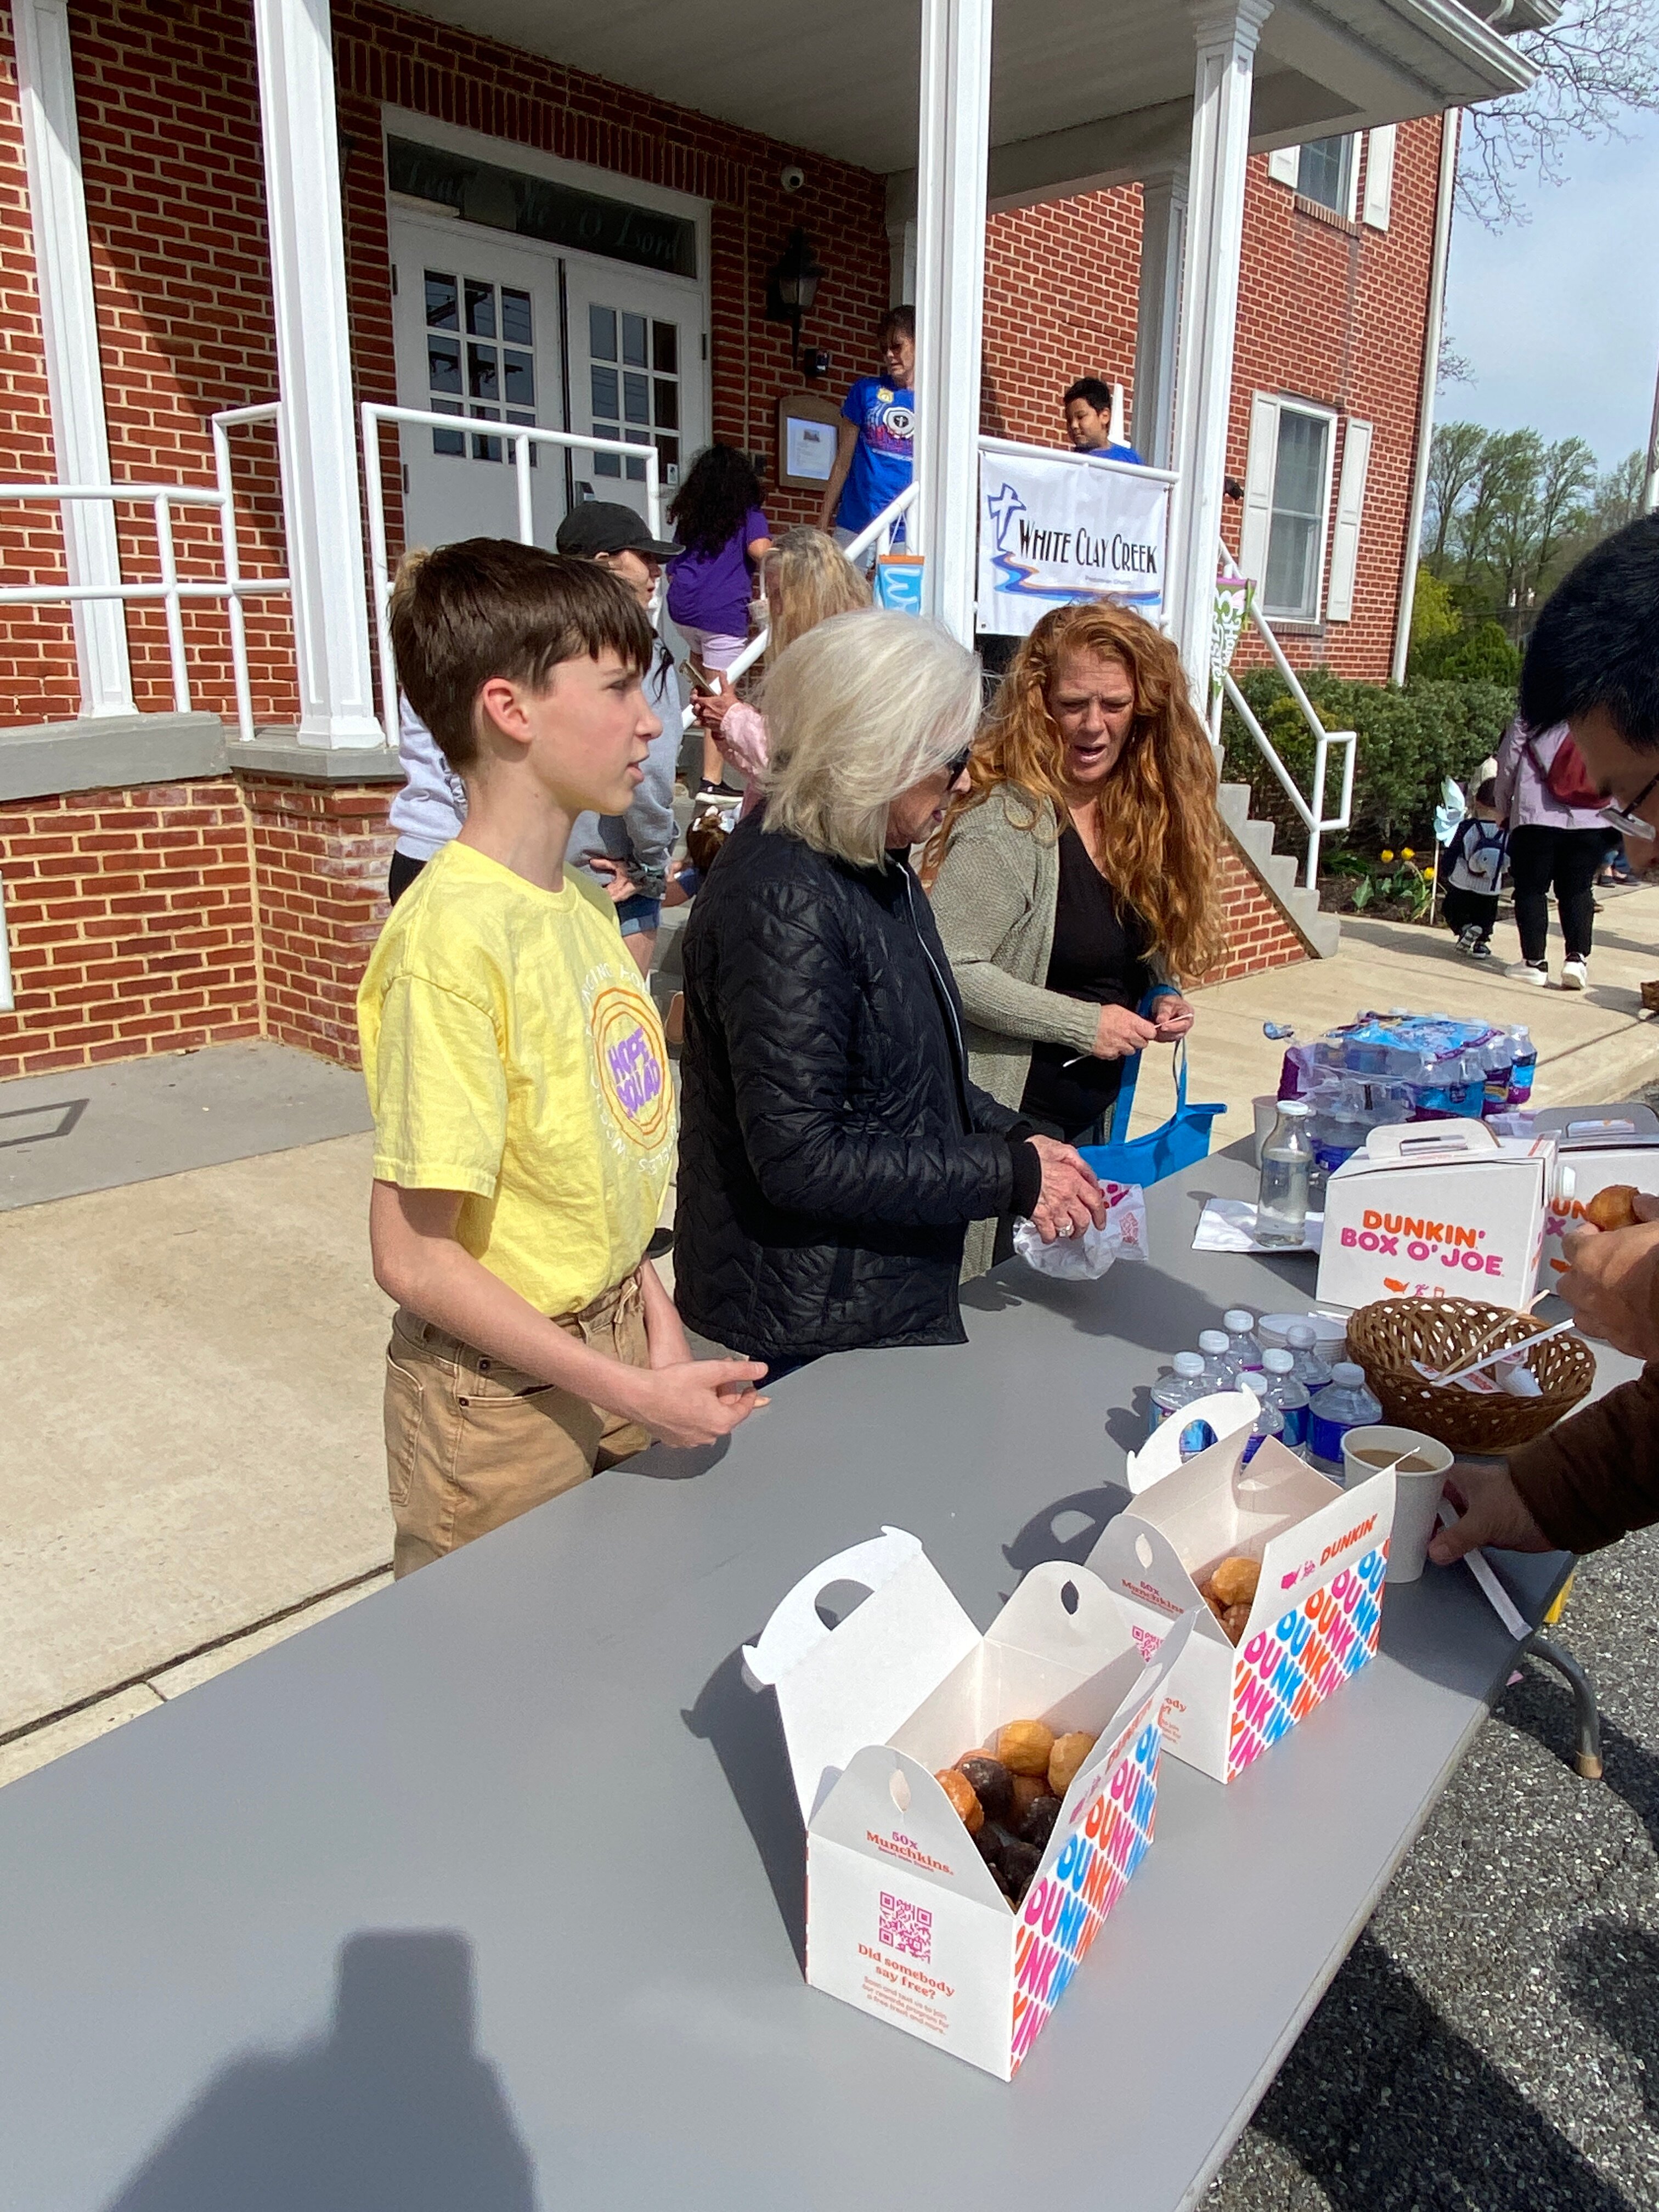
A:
792, 285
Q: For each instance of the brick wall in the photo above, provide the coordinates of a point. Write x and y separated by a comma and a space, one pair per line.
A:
1060, 283
321, 852
132, 922
1259, 936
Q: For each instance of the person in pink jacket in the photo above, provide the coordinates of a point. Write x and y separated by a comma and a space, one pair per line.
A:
1552, 842
808, 579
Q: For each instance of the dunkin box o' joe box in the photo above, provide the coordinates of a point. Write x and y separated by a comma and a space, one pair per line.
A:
1436, 1210
1598, 1146
903, 1919
1323, 1553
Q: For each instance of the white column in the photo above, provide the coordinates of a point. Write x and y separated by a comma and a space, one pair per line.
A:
1226, 36
68, 322
955, 138
313, 362
1157, 315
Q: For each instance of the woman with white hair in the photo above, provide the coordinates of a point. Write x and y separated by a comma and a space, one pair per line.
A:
833, 1149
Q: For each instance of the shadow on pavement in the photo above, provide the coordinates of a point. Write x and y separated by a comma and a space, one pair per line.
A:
1386, 2108
394, 2110
1612, 1975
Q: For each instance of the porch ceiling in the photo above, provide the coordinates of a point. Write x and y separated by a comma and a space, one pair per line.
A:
1084, 91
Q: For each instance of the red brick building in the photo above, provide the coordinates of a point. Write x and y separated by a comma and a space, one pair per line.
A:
502, 218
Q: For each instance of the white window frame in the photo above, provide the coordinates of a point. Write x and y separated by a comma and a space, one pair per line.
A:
1284, 167
1266, 410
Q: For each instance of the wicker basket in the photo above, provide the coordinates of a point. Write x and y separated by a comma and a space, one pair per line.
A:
1387, 1337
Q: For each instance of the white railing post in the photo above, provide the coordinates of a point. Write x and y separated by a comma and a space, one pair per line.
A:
953, 150
167, 560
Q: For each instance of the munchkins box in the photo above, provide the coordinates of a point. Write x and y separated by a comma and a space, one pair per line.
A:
1597, 1145
1317, 1609
903, 1919
1435, 1210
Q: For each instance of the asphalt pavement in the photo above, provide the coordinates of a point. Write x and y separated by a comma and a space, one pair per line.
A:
1492, 2044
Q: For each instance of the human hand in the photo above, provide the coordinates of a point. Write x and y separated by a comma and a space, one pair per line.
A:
1118, 1033
618, 884
1610, 1281
694, 1401
1174, 1016
1071, 1196
1494, 1510
709, 708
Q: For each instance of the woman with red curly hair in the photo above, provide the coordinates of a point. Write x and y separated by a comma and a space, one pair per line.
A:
1077, 876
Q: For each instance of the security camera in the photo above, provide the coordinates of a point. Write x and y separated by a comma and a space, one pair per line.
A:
792, 177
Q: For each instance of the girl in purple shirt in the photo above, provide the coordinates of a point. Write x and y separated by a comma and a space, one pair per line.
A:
717, 518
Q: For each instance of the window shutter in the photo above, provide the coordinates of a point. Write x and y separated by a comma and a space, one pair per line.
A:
1379, 175
1260, 466
1353, 209
1344, 536
1283, 164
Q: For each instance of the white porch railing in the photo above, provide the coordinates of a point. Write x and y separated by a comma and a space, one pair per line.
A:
1310, 810
171, 589
519, 438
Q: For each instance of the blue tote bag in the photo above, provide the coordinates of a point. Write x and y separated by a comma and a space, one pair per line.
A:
1181, 1142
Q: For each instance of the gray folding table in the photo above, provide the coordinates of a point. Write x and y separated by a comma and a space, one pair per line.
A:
487, 1892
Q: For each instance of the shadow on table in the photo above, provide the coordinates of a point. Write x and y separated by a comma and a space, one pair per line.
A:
1069, 1529
1447, 2128
1130, 1305
394, 2110
740, 1723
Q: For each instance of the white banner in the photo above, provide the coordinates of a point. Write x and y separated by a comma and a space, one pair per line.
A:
1057, 527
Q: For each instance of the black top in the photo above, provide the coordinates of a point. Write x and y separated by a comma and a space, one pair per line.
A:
833, 1150
1098, 957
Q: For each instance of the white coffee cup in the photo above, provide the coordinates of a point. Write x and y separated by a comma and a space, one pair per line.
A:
1417, 1488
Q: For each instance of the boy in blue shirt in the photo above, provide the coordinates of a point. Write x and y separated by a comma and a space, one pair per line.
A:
875, 447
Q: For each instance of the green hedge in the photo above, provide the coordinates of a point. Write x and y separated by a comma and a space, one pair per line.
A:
1407, 741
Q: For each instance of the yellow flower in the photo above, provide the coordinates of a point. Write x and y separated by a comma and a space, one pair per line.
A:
1407, 854
1388, 856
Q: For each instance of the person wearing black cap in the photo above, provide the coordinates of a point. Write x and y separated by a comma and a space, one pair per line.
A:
629, 852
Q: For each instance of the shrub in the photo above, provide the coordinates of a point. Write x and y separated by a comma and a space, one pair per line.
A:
1407, 741
1481, 655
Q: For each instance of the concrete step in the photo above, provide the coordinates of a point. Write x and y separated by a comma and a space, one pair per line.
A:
1278, 872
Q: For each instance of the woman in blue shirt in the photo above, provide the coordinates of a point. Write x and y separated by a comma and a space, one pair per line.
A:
875, 447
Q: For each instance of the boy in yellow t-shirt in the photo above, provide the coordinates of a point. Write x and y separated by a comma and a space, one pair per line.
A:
524, 1113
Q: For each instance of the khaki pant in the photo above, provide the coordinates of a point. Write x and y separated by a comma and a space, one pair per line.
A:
470, 1443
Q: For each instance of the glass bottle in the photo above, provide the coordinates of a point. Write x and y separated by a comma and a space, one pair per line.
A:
1281, 1205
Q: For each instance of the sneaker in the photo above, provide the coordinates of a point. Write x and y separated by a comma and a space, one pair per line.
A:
1529, 971
1468, 937
1481, 949
1575, 974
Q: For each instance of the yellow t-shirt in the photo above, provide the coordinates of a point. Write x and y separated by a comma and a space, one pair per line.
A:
512, 1053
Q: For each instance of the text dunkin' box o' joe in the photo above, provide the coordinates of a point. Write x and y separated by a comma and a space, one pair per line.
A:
1322, 1551
1436, 1210
903, 1918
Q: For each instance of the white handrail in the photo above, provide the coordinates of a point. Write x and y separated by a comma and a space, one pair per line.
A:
520, 436
1311, 812
881, 527
171, 590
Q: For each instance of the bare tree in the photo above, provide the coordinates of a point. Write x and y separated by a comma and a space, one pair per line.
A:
1597, 63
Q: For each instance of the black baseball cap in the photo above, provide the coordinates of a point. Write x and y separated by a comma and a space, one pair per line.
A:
603, 525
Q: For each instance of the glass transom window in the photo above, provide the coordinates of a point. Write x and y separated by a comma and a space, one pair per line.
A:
480, 358
1296, 535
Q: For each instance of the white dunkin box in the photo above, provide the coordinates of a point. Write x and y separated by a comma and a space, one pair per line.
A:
903, 1918
1436, 1210
1597, 1145
1318, 1607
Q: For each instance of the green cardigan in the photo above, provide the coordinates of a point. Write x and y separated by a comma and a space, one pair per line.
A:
994, 899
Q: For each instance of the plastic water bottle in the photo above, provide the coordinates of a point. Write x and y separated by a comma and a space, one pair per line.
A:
1269, 1422
1281, 1205
1345, 1403
1216, 1352
1243, 1347
1521, 1066
1312, 1372
1187, 1382
1284, 1391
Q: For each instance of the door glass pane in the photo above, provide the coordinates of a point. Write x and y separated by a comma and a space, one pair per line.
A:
481, 372
665, 348
515, 316
602, 333
450, 443
606, 407
606, 464
520, 373
634, 341
441, 313
512, 415
480, 309
636, 399
666, 397
443, 365
668, 453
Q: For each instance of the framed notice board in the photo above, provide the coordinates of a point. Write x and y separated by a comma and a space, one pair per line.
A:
806, 440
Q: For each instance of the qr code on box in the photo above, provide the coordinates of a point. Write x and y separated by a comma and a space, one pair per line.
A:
907, 1927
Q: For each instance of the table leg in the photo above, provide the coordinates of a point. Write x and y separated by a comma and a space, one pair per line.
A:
1588, 1758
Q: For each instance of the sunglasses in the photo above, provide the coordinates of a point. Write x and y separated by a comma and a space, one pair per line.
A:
1626, 819
957, 761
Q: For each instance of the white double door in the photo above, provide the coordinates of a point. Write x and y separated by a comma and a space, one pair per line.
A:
502, 327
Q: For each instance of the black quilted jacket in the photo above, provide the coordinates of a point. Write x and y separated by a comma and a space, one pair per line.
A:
832, 1150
